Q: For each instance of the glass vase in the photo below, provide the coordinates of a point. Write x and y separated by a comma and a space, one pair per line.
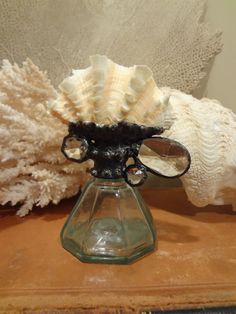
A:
109, 224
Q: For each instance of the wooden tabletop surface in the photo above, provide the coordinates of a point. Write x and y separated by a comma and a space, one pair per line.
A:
194, 265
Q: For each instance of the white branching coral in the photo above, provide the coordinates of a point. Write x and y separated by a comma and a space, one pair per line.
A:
32, 169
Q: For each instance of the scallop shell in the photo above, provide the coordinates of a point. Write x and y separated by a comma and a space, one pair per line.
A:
208, 131
106, 93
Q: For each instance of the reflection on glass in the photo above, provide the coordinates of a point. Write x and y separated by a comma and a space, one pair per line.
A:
74, 148
135, 175
164, 156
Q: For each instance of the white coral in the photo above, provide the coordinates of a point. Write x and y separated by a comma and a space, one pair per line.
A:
33, 170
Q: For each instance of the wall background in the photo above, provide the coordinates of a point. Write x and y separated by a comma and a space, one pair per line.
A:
221, 84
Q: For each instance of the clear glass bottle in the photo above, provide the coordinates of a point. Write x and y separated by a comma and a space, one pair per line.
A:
109, 224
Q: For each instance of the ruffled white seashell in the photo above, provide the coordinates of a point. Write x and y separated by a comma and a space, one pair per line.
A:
208, 130
107, 93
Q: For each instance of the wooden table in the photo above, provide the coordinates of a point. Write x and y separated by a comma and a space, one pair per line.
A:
194, 266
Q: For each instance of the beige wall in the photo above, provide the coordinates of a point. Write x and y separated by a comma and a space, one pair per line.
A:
222, 79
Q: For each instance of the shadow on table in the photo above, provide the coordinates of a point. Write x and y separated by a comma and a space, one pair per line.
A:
8, 217
176, 201
176, 233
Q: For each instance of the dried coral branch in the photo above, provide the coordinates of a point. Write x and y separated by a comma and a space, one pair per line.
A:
33, 171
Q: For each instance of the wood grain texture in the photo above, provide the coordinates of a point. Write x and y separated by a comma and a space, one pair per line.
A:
194, 265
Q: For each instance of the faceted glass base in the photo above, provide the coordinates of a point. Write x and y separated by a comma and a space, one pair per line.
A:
109, 224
